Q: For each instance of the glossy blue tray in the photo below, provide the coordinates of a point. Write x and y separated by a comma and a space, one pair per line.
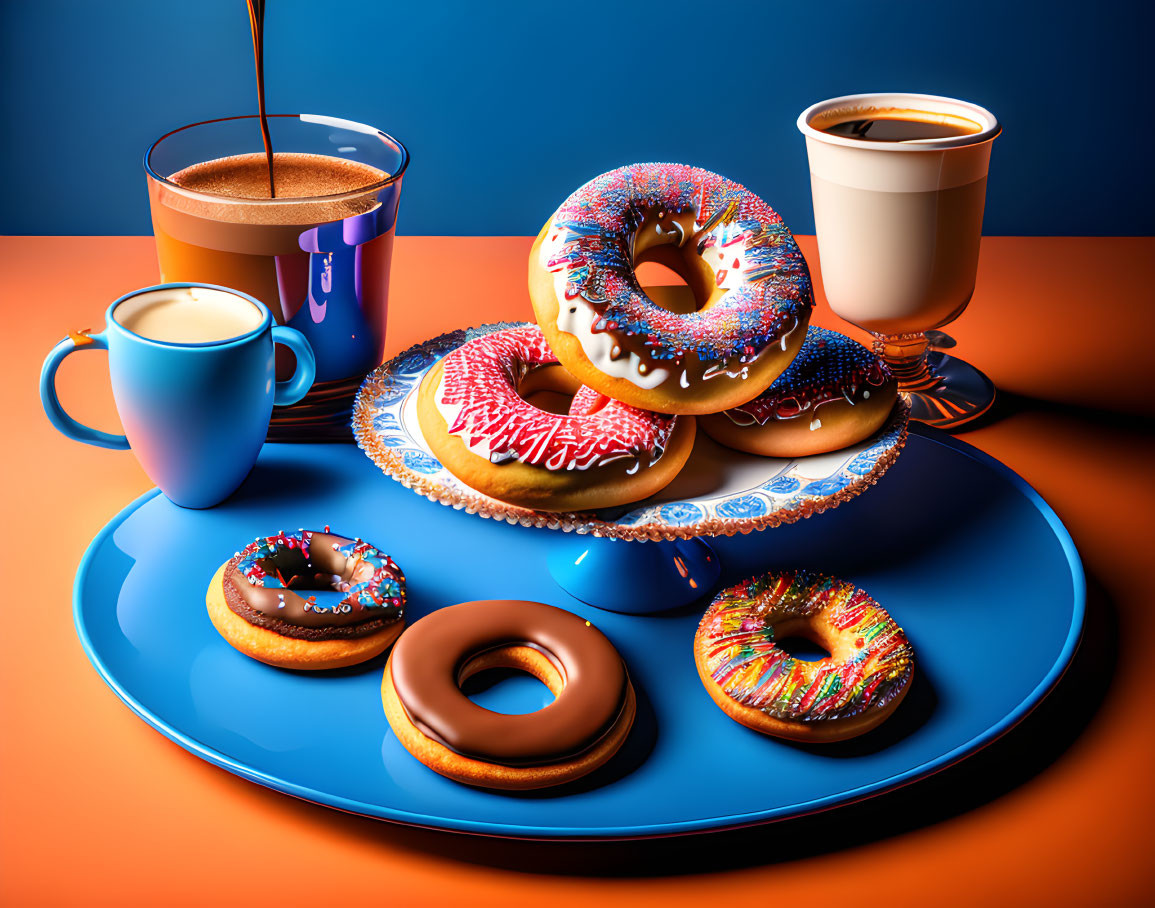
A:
967, 557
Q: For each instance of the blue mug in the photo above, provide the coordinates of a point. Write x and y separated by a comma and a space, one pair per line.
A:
194, 413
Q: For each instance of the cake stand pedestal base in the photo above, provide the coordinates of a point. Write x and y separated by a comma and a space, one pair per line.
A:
636, 578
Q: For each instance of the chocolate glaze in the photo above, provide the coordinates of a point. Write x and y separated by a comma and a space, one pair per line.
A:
428, 659
260, 583
348, 632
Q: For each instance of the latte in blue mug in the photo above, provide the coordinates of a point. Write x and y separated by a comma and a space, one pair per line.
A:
194, 378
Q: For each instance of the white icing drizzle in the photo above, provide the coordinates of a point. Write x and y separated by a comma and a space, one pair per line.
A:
739, 417
726, 258
577, 317
716, 369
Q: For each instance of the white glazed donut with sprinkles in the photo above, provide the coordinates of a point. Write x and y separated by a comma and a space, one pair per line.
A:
749, 279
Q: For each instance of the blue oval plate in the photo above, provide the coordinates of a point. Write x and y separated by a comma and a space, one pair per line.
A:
967, 557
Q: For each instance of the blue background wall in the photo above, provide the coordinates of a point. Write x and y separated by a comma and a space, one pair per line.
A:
509, 106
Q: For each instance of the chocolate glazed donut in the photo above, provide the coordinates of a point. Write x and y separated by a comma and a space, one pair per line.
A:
280, 608
254, 600
584, 726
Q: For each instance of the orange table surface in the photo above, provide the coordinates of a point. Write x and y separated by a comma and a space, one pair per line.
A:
97, 808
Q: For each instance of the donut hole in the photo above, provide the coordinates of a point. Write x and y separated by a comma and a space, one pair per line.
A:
507, 691
666, 288
549, 388
676, 280
512, 680
288, 568
803, 648
550, 401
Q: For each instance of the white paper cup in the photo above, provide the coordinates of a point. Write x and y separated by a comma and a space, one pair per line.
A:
898, 223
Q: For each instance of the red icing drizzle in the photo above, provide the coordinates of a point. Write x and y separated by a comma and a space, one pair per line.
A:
482, 377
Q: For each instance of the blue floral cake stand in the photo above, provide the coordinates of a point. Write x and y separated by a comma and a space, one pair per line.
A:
720, 492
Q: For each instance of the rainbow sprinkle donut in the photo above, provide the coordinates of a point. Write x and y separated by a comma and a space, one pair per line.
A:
760, 685
749, 279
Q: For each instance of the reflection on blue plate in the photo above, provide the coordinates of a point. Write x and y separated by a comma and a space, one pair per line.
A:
1008, 562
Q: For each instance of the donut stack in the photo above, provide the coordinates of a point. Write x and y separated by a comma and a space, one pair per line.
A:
744, 362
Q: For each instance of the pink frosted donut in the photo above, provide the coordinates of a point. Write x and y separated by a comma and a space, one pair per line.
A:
749, 279
474, 415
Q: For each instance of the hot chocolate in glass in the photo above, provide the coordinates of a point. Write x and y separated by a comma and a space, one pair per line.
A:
318, 254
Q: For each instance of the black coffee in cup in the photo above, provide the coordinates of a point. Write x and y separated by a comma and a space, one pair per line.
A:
895, 125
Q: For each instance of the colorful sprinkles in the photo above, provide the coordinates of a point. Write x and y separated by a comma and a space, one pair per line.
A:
738, 633
829, 366
377, 584
750, 252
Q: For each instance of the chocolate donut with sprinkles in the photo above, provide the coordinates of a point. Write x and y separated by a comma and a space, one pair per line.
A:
749, 280
475, 413
760, 685
835, 393
353, 610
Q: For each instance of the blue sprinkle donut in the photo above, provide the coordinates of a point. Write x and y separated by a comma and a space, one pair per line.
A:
835, 393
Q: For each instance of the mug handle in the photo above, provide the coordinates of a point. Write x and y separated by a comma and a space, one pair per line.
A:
56, 415
292, 390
